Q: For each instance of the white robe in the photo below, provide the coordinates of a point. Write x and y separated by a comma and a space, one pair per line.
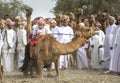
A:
110, 31
65, 37
55, 33
44, 30
1, 45
96, 52
8, 54
115, 58
82, 61
21, 43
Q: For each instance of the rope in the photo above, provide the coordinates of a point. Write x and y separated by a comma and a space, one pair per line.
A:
62, 34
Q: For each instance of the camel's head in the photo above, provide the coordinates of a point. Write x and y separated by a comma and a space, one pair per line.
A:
86, 32
28, 11
58, 17
78, 12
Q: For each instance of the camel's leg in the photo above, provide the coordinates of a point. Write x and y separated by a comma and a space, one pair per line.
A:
50, 71
40, 67
57, 67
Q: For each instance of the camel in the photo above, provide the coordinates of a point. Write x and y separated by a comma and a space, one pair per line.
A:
48, 49
29, 23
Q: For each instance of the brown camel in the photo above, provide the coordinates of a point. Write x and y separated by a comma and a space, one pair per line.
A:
29, 23
48, 50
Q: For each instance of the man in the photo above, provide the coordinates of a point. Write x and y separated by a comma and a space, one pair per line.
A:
54, 29
115, 58
8, 51
96, 47
82, 61
65, 37
108, 43
41, 27
21, 43
55, 32
35, 25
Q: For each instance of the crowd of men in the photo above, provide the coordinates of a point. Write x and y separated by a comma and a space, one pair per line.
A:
103, 47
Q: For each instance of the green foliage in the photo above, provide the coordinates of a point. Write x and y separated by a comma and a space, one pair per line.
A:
14, 8
92, 6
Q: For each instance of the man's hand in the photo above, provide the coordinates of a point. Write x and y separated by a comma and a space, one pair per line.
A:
9, 47
92, 46
100, 46
111, 48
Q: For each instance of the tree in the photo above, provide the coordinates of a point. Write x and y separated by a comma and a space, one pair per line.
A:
89, 6
14, 8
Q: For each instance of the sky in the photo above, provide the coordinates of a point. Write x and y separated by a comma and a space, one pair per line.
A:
41, 7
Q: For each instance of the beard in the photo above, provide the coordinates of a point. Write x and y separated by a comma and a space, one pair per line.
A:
9, 27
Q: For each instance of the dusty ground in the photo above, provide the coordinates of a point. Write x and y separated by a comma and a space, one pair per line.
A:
67, 76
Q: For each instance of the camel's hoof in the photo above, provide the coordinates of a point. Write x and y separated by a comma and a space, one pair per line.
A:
33, 76
50, 75
1, 81
58, 77
42, 79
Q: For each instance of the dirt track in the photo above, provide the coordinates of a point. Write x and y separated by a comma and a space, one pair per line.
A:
67, 76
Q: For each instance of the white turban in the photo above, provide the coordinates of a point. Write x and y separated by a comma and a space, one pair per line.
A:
81, 24
112, 18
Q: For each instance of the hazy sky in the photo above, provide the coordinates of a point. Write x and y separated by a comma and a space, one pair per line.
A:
41, 7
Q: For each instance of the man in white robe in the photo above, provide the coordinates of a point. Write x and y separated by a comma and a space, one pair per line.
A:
115, 58
108, 43
96, 43
21, 43
55, 32
82, 61
1, 45
65, 37
8, 51
41, 27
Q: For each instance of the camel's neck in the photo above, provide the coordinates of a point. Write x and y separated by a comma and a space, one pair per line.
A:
62, 49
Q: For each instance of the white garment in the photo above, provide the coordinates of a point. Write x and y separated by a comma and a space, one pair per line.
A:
110, 31
96, 52
55, 33
1, 45
82, 61
8, 54
35, 28
115, 58
22, 42
65, 37
45, 30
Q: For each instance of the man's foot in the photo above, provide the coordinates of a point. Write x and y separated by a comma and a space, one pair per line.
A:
108, 72
100, 62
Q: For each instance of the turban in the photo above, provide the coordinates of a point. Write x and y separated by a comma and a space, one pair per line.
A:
9, 22
66, 18
81, 24
41, 21
52, 21
23, 23
112, 18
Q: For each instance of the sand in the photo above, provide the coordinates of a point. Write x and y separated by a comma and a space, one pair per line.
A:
72, 75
